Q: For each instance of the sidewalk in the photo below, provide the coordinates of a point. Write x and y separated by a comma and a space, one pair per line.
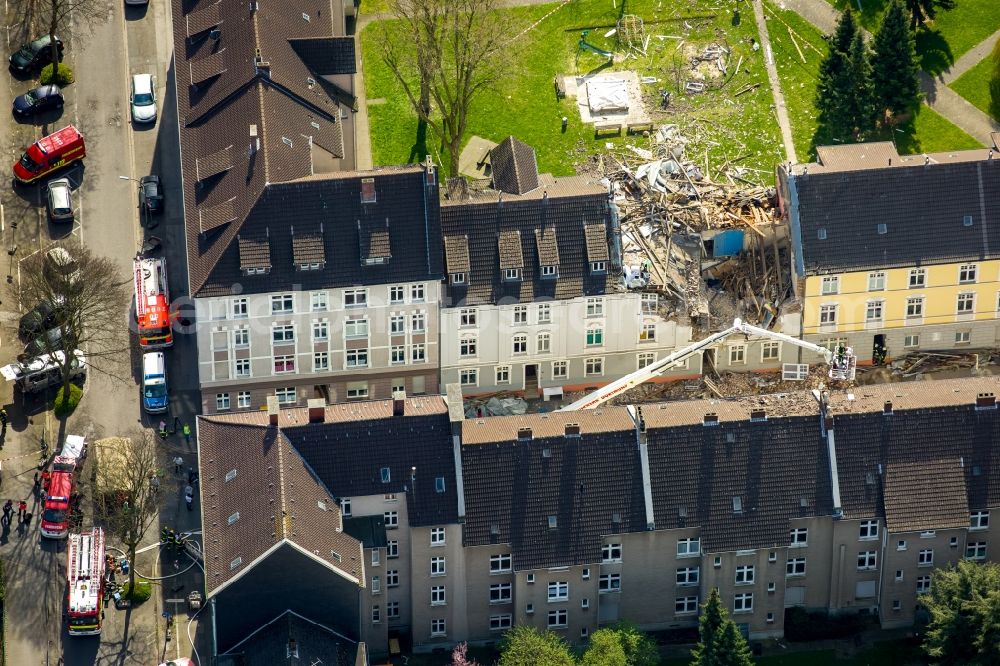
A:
781, 111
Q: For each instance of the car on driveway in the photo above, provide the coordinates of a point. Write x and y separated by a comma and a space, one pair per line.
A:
60, 200
151, 194
60, 265
143, 99
32, 57
48, 342
38, 100
42, 317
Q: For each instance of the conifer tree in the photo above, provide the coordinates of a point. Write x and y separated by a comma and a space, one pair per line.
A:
713, 617
895, 67
732, 648
860, 109
834, 90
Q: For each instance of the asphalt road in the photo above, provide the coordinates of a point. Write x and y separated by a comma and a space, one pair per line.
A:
103, 55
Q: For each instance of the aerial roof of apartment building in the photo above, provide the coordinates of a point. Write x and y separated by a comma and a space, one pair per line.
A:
864, 207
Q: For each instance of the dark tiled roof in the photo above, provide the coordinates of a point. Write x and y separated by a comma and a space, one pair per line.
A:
513, 167
335, 201
548, 246
369, 530
597, 242
920, 210
375, 245
271, 497
456, 253
509, 245
925, 495
316, 644
327, 55
255, 253
591, 484
777, 468
308, 248
569, 205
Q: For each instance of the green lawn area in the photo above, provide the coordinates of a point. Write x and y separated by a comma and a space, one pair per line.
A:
950, 35
721, 126
885, 653
974, 86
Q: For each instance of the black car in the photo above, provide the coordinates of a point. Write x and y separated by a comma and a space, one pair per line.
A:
151, 194
41, 318
32, 57
38, 100
49, 341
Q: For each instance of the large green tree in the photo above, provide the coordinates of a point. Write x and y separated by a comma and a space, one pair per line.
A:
895, 67
835, 89
922, 10
721, 643
526, 646
860, 109
964, 605
732, 648
621, 644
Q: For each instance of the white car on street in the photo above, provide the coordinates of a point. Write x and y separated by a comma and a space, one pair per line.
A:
143, 99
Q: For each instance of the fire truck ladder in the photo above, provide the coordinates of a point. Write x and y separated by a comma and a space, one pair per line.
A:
86, 555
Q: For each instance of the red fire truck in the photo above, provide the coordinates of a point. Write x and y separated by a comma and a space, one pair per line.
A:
50, 153
85, 571
58, 499
152, 304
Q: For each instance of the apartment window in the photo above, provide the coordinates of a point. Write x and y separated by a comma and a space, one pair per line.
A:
285, 396
558, 591
512, 274
953, 542
520, 314
967, 273
391, 519
828, 315
650, 303
966, 303
918, 278
688, 575
831, 284
743, 602
467, 317
598, 267
558, 619
595, 336
770, 351
595, 307
548, 271
744, 574
876, 281
896, 604
458, 278
376, 614
467, 346
397, 354
868, 529
737, 354
392, 610
438, 627
975, 550
544, 343
397, 324
799, 536
355, 298
925, 558
500, 622
873, 312
239, 308
585, 574
376, 557
469, 377
320, 331
500, 563
376, 585
544, 313
899, 575
979, 520
417, 320
648, 332
437, 536
772, 556
645, 358
611, 552
503, 374
221, 401
560, 369
392, 578
520, 344
963, 337
418, 353
417, 293
501, 593
609, 583
688, 547
321, 361
911, 341
284, 364
391, 549
437, 566
345, 506
284, 303
867, 560
795, 566
594, 366
356, 358
915, 307
243, 400
241, 337
901, 545
685, 605
438, 595
396, 294
530, 578
923, 584
356, 328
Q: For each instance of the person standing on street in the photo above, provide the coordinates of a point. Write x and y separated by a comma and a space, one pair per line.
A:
187, 433
3, 422
22, 508
27, 520
178, 464
189, 497
8, 510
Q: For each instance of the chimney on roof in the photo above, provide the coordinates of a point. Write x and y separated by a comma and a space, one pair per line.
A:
986, 401
398, 403
254, 140
711, 419
887, 408
317, 410
759, 414
927, 159
990, 156
272, 410
890, 161
572, 430
524, 434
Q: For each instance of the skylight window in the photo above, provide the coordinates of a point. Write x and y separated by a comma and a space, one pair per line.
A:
883, 229
967, 221
230, 475
821, 234
439, 484
385, 475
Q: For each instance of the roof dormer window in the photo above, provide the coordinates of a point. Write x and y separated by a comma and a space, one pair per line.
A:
458, 278
550, 271
367, 190
598, 267
512, 274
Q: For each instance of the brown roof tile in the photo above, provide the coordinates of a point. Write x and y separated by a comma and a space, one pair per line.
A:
377, 246
926, 495
207, 66
213, 217
509, 243
505, 428
513, 167
214, 164
456, 254
597, 242
255, 253
308, 249
548, 248
200, 20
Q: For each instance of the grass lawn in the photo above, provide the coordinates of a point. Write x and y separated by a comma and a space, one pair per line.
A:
953, 32
974, 86
896, 653
721, 126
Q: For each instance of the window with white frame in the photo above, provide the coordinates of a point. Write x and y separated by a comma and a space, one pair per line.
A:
867, 560
966, 303
831, 284
558, 591
598, 266
868, 530
438, 627
737, 354
544, 343
321, 361
512, 274
376, 584
923, 584
319, 301
243, 400
282, 334
392, 549
544, 313
770, 351
467, 317
397, 324
501, 563
967, 273
437, 566
240, 308
925, 558
650, 303
241, 337
437, 536
549, 271
284, 364
560, 369
468, 377
595, 336
356, 328
963, 337
242, 367
501, 593
743, 602
467, 345
828, 315
915, 307
873, 311
979, 520
500, 622
688, 575
911, 341
356, 358
221, 401
975, 550
744, 574
397, 293
282, 304
689, 547
899, 575
594, 366
345, 506
355, 298
610, 582
390, 519
320, 331
648, 332
392, 578
558, 618
438, 595
376, 557
520, 344
286, 395
918, 278
397, 354
520, 314
685, 605
502, 374
645, 358
376, 614
417, 293
799, 536
418, 321
595, 306
392, 610
418, 353
795, 566
876, 281
611, 552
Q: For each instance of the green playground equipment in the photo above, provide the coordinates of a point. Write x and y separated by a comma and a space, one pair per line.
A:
584, 45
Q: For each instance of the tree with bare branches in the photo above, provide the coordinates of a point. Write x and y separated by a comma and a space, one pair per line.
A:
57, 16
90, 296
448, 53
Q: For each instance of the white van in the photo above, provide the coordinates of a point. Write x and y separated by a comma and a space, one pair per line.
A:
74, 448
154, 383
43, 372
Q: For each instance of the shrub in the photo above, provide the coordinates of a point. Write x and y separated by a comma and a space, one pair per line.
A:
139, 593
64, 406
64, 75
